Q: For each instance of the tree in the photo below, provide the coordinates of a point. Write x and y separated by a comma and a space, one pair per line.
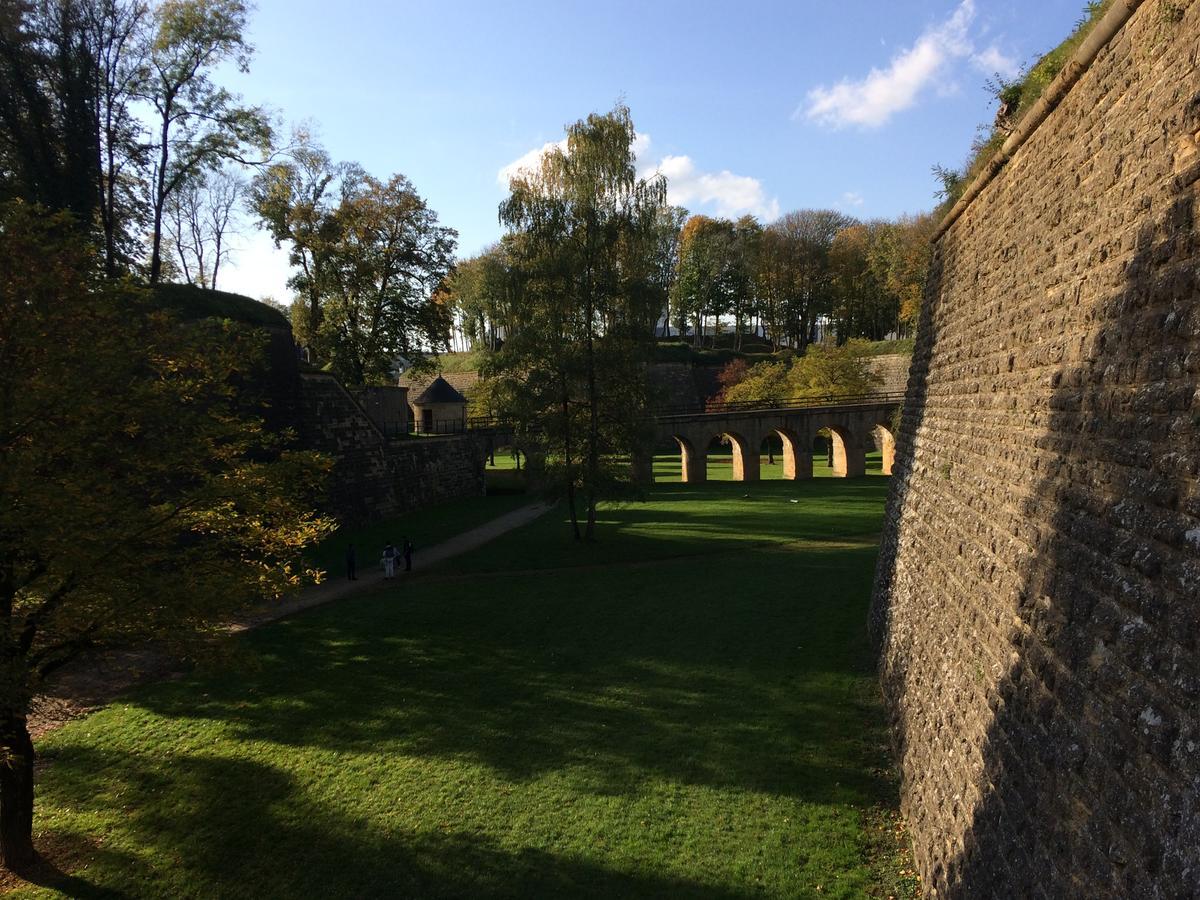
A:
585, 229
666, 253
48, 150
370, 255
804, 277
744, 248
141, 497
906, 256
198, 126
295, 198
480, 289
199, 217
700, 280
823, 371
117, 36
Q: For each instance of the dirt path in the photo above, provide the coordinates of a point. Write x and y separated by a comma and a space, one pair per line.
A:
93, 682
372, 578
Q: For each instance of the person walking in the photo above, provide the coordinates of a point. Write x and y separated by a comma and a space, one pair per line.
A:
408, 552
351, 560
389, 561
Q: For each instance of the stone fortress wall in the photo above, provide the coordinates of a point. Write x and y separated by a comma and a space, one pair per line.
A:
1037, 602
376, 476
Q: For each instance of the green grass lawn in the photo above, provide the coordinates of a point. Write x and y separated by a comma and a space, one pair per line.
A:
687, 710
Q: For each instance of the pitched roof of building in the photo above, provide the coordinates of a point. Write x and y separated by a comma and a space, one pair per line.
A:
440, 391
462, 382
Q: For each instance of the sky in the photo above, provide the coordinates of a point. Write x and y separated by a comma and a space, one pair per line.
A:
750, 107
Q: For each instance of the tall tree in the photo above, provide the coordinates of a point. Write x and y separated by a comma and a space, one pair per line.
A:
666, 255
295, 198
700, 283
48, 144
370, 255
480, 289
141, 496
198, 221
198, 125
586, 227
805, 277
117, 32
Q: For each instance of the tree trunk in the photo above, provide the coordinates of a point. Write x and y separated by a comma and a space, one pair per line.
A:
570, 476
16, 794
160, 201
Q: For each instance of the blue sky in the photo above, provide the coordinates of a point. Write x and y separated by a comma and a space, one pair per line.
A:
748, 107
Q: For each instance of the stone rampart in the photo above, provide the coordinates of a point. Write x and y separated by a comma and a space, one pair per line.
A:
892, 369
376, 477
1037, 602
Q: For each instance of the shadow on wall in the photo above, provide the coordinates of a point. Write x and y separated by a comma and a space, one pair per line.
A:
1087, 778
1101, 700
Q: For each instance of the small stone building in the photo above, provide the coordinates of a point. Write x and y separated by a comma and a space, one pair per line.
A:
440, 409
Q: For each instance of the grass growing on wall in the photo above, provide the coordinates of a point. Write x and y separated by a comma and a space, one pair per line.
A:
1018, 97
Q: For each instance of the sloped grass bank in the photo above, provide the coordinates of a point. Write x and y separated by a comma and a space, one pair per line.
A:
706, 726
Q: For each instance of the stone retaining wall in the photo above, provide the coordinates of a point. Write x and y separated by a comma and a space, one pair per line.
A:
375, 477
1037, 602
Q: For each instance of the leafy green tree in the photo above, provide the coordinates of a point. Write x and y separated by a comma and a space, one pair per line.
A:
141, 497
370, 255
744, 250
833, 371
586, 231
118, 38
198, 125
48, 145
804, 277
666, 255
823, 371
480, 290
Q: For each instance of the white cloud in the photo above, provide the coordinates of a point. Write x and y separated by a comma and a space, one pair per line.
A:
995, 60
724, 193
721, 193
851, 199
528, 162
871, 101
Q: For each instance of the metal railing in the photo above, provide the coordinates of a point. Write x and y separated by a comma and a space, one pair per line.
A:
488, 423
713, 409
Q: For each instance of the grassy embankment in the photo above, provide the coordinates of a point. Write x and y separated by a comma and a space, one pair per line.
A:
686, 708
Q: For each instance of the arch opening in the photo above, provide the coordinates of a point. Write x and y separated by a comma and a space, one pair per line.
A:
732, 457
782, 454
691, 464
843, 457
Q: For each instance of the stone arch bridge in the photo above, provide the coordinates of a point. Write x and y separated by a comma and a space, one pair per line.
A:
855, 423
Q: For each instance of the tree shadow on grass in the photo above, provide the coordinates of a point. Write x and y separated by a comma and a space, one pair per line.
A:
234, 825
758, 687
709, 520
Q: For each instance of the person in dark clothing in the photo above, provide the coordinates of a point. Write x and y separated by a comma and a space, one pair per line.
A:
408, 552
351, 561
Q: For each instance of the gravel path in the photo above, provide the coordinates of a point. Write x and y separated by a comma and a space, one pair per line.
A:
371, 578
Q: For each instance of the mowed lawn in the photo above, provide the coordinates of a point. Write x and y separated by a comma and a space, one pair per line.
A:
686, 709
